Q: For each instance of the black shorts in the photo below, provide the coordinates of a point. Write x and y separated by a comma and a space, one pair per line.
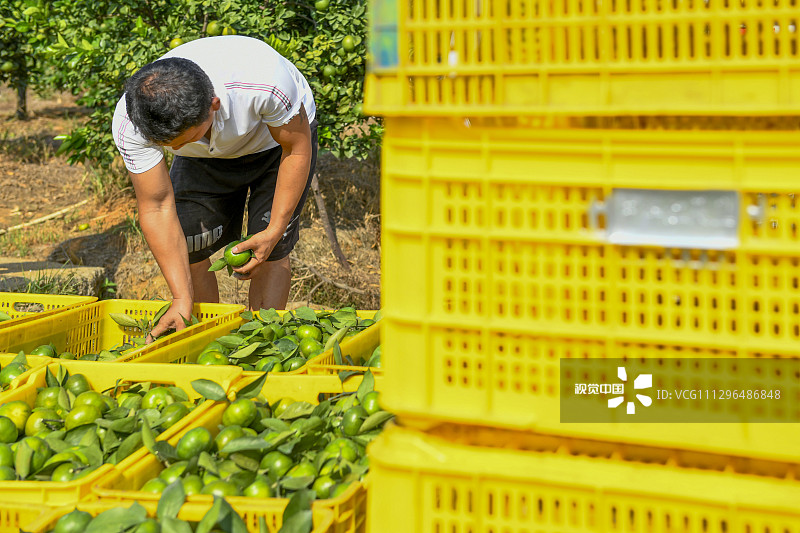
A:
210, 195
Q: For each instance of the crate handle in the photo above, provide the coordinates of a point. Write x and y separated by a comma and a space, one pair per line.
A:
670, 218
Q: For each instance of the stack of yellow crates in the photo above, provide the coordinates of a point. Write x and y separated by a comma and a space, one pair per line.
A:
567, 181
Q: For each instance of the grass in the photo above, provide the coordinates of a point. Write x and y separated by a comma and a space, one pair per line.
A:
51, 283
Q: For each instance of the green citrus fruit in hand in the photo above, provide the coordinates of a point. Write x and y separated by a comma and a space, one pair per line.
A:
81, 415
73, 522
18, 411
193, 442
348, 43
213, 358
241, 412
236, 259
214, 28
46, 350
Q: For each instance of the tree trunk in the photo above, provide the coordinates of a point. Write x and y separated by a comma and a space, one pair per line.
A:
330, 229
22, 100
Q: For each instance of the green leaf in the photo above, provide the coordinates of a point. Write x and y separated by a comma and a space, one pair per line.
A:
219, 264
344, 375
148, 438
253, 325
275, 424
130, 444
337, 354
209, 390
124, 320
375, 420
207, 463
297, 516
179, 394
165, 451
367, 385
117, 519
244, 352
230, 341
22, 460
212, 516
297, 483
269, 315
20, 358
297, 410
245, 461
306, 313
50, 379
175, 525
161, 312
246, 443
253, 389
336, 337
171, 500
230, 270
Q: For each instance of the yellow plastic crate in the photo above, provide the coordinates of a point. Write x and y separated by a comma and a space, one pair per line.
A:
187, 350
349, 509
102, 376
272, 512
432, 483
16, 517
88, 329
492, 57
517, 271
35, 362
23, 307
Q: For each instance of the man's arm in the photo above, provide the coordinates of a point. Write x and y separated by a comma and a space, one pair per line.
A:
295, 140
164, 235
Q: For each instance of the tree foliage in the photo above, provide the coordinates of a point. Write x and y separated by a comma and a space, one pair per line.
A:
90, 47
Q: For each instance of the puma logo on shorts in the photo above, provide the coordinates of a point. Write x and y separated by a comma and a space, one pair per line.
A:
204, 240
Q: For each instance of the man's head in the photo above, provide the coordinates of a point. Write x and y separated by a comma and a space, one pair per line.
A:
168, 97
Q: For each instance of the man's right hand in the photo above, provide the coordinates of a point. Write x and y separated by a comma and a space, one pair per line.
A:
172, 319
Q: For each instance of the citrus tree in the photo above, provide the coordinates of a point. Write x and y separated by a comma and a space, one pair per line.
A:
21, 46
93, 46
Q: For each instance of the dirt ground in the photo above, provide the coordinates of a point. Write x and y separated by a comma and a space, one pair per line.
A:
34, 183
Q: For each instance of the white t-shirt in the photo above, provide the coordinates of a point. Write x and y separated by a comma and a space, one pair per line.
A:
257, 87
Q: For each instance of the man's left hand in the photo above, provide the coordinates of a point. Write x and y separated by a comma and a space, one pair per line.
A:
261, 245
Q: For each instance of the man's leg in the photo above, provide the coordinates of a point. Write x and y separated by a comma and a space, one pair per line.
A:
204, 282
270, 288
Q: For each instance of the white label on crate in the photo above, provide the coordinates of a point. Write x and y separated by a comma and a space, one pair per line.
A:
703, 220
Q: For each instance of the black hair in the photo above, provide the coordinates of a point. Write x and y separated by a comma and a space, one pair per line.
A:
166, 97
